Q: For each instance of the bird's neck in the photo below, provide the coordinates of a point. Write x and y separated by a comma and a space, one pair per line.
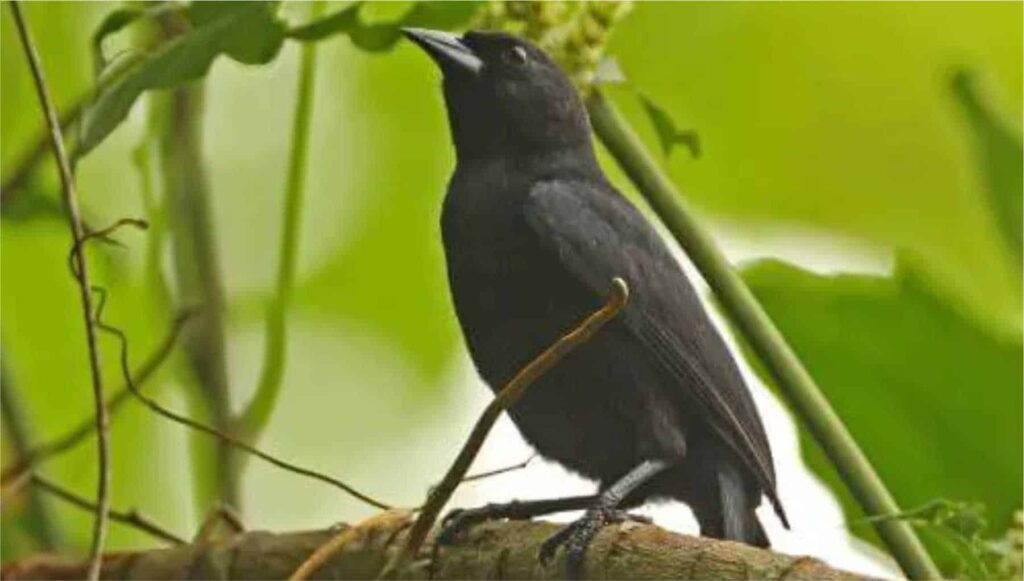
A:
534, 161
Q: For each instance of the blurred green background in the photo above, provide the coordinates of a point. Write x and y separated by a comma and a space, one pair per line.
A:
882, 130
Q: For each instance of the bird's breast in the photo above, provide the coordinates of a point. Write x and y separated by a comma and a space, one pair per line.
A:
512, 298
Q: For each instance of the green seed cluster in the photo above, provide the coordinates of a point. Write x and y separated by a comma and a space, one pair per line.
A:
575, 34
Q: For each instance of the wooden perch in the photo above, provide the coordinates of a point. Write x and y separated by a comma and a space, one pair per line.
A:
501, 550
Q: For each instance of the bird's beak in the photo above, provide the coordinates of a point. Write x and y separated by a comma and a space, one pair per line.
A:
447, 50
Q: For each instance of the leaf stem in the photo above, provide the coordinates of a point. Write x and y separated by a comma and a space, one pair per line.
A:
99, 531
255, 417
795, 383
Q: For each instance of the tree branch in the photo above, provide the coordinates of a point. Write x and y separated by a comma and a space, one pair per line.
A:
494, 550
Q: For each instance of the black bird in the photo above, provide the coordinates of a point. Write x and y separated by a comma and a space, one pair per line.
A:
654, 406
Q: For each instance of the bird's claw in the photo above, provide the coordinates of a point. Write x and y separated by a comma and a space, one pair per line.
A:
455, 524
576, 537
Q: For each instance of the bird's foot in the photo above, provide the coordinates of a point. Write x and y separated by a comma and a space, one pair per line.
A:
576, 536
455, 524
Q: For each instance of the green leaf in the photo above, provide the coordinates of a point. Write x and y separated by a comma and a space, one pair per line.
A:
374, 30
669, 135
249, 32
119, 19
340, 22
385, 12
112, 23
443, 15
852, 138
256, 35
933, 399
999, 155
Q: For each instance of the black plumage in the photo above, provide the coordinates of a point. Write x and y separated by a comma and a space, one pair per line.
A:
654, 406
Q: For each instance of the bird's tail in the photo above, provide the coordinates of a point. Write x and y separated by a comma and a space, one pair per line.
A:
739, 521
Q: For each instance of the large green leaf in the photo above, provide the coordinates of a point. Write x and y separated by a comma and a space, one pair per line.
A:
934, 400
1000, 157
836, 117
248, 32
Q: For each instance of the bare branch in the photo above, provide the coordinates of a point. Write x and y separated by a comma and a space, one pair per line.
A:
130, 518
500, 471
81, 268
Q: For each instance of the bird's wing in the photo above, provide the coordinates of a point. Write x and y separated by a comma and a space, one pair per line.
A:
598, 235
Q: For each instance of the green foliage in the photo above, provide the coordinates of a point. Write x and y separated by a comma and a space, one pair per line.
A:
903, 363
960, 526
932, 397
850, 138
669, 135
376, 27
832, 118
248, 32
118, 20
999, 156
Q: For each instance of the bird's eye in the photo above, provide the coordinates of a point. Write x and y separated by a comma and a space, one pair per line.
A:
515, 56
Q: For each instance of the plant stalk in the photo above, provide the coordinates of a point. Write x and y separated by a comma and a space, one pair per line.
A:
742, 308
197, 270
255, 417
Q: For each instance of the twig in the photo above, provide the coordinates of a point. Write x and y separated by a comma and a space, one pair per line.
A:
740, 305
254, 418
506, 398
221, 436
221, 513
397, 520
75, 219
131, 518
76, 248
36, 454
499, 471
13, 487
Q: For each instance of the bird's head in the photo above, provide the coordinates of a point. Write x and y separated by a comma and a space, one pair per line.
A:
504, 95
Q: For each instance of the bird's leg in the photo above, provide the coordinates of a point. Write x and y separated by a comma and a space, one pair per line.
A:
458, 521
604, 511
